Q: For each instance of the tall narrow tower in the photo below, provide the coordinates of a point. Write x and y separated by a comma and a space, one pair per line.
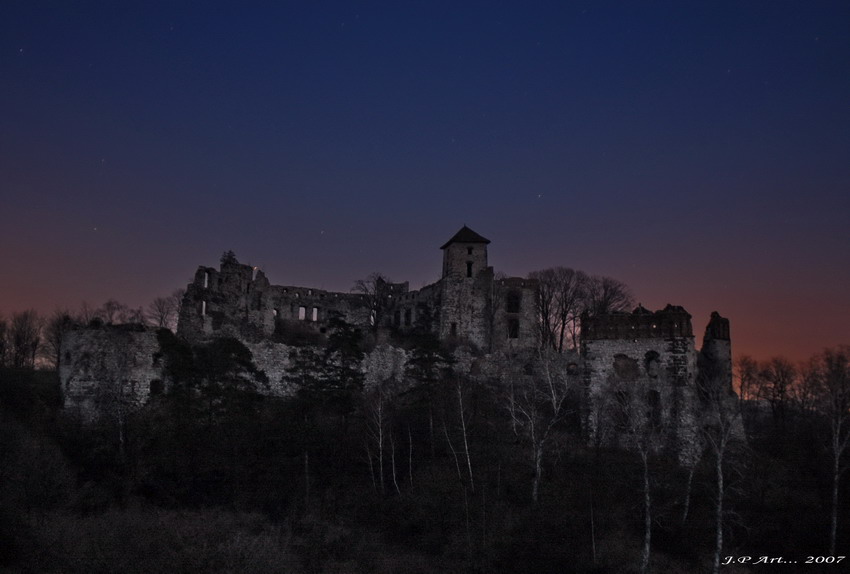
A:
465, 289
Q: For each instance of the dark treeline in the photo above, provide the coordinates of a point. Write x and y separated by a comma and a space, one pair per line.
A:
444, 475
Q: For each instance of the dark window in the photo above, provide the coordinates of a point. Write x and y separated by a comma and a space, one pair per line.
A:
469, 250
397, 318
408, 315
469, 268
513, 329
512, 303
454, 329
652, 364
156, 387
626, 368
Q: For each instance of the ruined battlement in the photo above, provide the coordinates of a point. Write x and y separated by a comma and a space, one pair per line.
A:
670, 322
718, 328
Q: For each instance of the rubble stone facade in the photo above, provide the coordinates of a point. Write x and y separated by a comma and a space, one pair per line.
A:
649, 358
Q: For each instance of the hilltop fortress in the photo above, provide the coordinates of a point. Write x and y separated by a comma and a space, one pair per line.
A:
646, 356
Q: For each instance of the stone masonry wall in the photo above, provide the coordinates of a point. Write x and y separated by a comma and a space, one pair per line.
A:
105, 364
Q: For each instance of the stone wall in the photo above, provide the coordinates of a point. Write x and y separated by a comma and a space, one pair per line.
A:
645, 357
108, 364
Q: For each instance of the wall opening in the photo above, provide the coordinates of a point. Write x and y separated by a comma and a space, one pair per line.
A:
469, 250
203, 308
206, 279
513, 329
156, 387
408, 317
315, 315
453, 330
512, 302
302, 313
469, 268
275, 312
397, 318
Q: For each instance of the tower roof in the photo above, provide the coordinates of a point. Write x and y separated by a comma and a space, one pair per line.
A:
465, 235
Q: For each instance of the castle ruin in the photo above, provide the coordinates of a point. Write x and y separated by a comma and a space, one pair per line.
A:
643, 357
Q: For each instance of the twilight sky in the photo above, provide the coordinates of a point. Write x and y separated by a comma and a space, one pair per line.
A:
698, 151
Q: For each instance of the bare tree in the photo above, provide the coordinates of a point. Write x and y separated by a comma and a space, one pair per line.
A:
776, 379
722, 430
561, 293
59, 323
605, 295
87, 313
634, 405
112, 311
25, 339
536, 403
378, 420
831, 371
162, 312
372, 290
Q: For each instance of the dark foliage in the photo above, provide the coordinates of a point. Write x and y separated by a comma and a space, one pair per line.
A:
216, 475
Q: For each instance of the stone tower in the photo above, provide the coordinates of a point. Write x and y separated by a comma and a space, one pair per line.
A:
466, 287
715, 359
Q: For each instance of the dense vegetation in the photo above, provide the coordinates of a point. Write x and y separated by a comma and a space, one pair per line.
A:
441, 476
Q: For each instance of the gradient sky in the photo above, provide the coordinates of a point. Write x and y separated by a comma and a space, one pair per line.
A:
698, 151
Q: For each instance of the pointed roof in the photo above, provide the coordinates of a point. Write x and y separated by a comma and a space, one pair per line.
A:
465, 235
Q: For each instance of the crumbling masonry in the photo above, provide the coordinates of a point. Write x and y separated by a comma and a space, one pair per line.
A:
643, 355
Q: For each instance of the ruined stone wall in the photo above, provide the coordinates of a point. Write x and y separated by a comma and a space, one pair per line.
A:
108, 364
403, 311
514, 312
715, 359
238, 301
646, 357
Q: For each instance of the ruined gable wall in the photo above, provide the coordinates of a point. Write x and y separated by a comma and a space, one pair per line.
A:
94, 360
513, 310
234, 302
645, 352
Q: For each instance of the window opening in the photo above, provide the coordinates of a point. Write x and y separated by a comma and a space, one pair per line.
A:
513, 329
302, 313
469, 268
